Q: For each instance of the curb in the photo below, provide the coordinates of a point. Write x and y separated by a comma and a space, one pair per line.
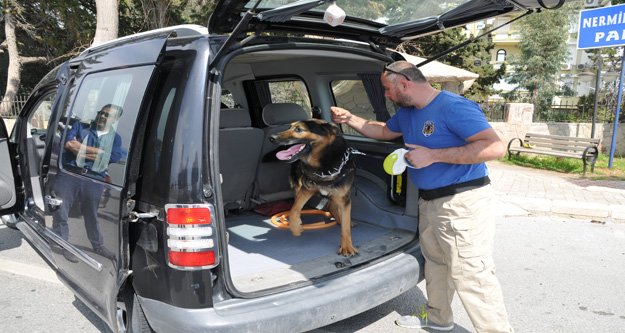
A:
521, 206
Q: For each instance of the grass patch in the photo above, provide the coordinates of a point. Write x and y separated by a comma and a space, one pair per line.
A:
573, 166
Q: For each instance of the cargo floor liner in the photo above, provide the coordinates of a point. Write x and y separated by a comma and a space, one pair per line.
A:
263, 256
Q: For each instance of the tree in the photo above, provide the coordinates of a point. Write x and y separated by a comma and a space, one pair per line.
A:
107, 19
543, 50
474, 57
12, 19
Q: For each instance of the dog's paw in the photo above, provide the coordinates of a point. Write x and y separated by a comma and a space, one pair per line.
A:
296, 229
347, 251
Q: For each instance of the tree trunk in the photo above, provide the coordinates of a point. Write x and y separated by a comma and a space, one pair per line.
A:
107, 21
15, 66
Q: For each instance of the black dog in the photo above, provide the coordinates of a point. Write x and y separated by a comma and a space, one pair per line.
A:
324, 165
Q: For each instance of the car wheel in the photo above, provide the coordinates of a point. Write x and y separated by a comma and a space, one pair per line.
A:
10, 221
130, 316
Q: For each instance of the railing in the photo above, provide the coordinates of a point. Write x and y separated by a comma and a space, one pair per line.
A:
13, 106
560, 113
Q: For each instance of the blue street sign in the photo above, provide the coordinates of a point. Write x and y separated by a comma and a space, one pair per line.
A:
601, 27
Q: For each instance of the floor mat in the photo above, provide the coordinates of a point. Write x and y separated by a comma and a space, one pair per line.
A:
256, 245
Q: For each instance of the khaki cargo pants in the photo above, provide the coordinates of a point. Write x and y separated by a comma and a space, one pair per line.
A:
457, 235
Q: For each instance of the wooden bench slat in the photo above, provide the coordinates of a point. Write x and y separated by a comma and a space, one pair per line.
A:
544, 152
557, 146
559, 137
561, 142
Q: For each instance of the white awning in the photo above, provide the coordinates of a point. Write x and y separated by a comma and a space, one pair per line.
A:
451, 78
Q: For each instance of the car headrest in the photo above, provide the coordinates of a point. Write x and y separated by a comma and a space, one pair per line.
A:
234, 118
283, 113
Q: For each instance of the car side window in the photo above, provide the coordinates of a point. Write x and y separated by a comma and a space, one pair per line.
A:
351, 95
99, 130
38, 121
290, 91
37, 127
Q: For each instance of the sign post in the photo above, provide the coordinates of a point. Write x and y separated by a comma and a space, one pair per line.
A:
604, 27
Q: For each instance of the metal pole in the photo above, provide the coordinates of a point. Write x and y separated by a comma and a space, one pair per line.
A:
618, 111
594, 111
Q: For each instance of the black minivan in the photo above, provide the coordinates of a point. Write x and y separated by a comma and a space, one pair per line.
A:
141, 170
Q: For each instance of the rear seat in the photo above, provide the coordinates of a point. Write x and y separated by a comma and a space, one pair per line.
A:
239, 148
272, 177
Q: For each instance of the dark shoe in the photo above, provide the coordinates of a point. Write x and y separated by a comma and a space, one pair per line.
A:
69, 256
101, 250
418, 322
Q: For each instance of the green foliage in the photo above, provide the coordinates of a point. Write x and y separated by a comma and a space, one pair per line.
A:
560, 164
60, 29
55, 29
143, 15
573, 165
474, 57
543, 50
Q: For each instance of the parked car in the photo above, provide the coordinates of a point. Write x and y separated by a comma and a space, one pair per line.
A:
141, 170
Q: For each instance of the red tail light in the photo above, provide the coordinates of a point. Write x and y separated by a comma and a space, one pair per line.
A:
189, 215
192, 259
191, 237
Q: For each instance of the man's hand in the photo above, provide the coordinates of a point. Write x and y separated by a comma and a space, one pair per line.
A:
481, 147
73, 146
340, 115
419, 156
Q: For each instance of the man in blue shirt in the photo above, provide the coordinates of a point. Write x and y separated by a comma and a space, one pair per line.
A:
449, 140
89, 149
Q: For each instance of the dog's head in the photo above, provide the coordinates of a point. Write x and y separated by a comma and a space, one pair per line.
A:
304, 137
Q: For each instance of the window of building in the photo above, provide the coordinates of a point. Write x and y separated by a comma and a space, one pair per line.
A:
501, 55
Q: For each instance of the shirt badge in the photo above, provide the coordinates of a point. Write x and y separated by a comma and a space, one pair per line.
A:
428, 128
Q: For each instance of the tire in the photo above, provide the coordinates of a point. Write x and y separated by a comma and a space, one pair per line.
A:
10, 221
130, 316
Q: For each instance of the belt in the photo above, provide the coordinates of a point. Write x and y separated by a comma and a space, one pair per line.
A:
83, 171
446, 191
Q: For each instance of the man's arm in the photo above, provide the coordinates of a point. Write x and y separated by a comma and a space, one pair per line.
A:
368, 128
117, 152
91, 153
481, 147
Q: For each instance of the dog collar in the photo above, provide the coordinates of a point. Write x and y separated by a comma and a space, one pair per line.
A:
331, 174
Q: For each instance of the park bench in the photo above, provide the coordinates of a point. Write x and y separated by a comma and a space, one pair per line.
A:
586, 149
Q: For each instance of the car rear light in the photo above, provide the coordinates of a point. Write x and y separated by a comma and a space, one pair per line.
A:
191, 236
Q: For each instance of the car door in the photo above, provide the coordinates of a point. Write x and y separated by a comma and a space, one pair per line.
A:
10, 184
84, 193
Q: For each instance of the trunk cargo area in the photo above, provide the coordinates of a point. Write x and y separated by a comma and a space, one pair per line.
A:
263, 256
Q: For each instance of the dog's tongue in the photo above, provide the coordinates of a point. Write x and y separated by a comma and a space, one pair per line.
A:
288, 153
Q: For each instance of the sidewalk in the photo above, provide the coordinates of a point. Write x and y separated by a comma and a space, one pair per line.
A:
526, 191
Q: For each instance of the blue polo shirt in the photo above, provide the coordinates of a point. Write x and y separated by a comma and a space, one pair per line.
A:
446, 122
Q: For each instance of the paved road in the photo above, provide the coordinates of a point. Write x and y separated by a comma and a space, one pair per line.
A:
558, 275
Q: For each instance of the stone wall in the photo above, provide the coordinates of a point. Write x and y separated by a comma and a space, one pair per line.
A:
518, 121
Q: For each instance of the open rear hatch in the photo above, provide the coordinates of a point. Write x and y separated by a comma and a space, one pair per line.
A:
385, 25
263, 257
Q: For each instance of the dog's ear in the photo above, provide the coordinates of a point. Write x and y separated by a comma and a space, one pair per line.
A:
333, 128
322, 127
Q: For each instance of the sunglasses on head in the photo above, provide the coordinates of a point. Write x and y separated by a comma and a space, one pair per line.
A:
387, 69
